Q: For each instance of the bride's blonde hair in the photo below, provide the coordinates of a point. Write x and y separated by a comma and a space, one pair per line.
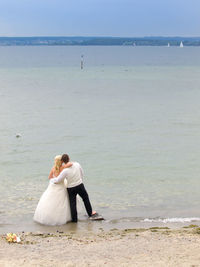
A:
57, 163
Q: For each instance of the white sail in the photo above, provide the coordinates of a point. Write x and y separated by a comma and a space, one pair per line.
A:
168, 45
181, 44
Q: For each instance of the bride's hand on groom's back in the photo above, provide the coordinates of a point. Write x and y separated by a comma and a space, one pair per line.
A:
66, 165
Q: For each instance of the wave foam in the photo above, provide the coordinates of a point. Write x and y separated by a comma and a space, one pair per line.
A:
173, 220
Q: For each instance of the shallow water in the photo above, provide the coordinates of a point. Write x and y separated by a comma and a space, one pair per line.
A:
131, 117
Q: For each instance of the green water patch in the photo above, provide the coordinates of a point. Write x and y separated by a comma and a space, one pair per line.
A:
191, 226
197, 231
159, 228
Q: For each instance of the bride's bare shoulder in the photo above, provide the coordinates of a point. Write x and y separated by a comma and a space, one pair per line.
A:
51, 173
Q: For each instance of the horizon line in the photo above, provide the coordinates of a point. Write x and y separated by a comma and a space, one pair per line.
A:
100, 36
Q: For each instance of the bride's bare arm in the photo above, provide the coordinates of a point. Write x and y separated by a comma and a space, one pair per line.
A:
67, 165
51, 174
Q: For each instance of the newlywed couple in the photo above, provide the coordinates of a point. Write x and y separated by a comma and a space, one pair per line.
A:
57, 205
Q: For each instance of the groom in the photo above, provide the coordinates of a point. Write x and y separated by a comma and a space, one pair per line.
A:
74, 176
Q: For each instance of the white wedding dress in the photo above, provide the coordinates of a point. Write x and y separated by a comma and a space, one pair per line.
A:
53, 207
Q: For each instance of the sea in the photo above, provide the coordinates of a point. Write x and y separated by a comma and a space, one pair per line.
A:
130, 117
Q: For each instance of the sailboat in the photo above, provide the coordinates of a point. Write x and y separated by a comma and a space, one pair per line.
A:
168, 45
181, 44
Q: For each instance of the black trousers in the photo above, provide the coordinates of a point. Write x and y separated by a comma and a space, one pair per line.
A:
80, 190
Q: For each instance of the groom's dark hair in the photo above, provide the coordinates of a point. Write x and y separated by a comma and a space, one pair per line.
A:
65, 158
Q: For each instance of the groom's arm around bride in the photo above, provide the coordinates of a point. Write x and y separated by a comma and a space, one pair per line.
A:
74, 176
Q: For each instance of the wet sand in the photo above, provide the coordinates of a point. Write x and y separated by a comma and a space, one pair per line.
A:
129, 247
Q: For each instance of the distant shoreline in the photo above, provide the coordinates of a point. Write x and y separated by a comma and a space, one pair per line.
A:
98, 41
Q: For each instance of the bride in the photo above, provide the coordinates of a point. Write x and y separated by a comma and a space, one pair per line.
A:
53, 207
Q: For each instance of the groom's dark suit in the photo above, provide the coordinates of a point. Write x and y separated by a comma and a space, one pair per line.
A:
74, 176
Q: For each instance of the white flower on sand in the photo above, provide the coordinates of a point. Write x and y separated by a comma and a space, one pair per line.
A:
12, 238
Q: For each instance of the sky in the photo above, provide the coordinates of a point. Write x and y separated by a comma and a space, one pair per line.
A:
123, 18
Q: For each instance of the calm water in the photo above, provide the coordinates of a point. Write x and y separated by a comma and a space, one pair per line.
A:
131, 117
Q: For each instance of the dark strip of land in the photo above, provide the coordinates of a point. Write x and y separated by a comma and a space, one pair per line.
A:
102, 41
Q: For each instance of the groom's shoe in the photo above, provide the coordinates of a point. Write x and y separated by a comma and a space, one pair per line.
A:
96, 217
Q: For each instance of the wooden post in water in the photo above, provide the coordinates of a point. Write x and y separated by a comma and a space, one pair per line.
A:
81, 62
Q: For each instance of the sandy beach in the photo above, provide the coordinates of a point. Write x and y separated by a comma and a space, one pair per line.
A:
129, 247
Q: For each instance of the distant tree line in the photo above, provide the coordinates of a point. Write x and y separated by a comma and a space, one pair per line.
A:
102, 41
